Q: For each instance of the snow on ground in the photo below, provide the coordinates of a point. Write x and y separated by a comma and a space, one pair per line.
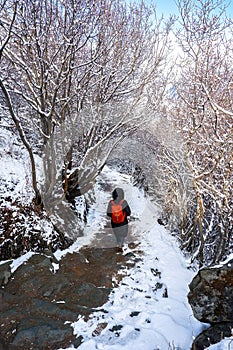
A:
14, 173
137, 315
225, 344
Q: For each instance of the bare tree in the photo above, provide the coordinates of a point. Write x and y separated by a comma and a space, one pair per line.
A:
203, 115
7, 26
79, 72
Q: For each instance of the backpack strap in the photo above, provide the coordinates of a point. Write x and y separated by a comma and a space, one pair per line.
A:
121, 202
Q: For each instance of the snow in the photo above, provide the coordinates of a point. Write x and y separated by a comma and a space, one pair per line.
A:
229, 258
15, 171
225, 344
138, 315
19, 261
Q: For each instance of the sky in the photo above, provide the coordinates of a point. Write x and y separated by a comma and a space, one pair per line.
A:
168, 7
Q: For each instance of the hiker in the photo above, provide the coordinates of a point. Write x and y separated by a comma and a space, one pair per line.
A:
118, 210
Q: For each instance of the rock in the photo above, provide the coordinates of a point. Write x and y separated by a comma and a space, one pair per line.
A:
161, 222
91, 296
5, 273
49, 254
211, 299
100, 327
134, 313
211, 294
3, 345
31, 331
165, 293
212, 335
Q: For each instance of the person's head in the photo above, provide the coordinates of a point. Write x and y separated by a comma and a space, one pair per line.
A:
118, 194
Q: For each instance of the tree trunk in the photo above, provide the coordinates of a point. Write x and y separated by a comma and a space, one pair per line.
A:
37, 199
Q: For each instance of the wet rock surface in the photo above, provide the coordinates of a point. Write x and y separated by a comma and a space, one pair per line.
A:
38, 299
211, 299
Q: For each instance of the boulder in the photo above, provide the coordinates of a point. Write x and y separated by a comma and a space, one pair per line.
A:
211, 294
211, 299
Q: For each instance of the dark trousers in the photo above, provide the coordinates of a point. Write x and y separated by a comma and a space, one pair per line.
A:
120, 233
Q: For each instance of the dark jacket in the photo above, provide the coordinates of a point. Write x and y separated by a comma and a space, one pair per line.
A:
118, 195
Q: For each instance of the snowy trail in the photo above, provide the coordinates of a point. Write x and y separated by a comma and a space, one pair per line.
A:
137, 315
149, 309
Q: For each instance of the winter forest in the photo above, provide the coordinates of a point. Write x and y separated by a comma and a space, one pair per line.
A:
89, 83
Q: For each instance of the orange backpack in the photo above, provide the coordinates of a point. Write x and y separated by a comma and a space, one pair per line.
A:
118, 216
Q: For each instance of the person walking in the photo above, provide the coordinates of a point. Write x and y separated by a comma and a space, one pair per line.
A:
119, 211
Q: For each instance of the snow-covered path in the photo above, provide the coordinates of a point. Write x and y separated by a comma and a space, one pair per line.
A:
149, 310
